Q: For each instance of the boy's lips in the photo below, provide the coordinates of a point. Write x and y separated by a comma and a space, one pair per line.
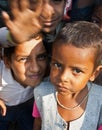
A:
48, 23
60, 87
63, 86
35, 76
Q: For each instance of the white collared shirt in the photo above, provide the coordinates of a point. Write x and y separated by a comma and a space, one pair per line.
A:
11, 92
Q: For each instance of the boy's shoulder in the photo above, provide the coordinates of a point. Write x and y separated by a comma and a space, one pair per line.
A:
97, 90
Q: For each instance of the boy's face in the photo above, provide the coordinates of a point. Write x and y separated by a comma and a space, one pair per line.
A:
97, 16
28, 63
52, 13
71, 68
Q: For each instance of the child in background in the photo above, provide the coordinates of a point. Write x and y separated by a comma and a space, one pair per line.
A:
71, 101
81, 10
97, 14
22, 68
97, 18
50, 12
51, 15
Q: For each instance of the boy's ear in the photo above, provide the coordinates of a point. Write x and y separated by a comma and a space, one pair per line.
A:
96, 73
6, 62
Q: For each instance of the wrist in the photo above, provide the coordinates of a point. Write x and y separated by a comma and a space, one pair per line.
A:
5, 38
10, 40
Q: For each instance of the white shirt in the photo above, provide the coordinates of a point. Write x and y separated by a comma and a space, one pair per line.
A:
11, 92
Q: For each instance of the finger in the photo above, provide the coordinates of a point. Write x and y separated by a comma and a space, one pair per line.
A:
13, 4
24, 4
14, 7
3, 110
7, 20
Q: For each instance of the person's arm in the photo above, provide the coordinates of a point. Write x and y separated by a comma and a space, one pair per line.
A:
25, 21
37, 124
100, 127
2, 108
36, 115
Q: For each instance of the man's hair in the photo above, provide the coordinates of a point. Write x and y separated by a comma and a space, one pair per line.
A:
82, 34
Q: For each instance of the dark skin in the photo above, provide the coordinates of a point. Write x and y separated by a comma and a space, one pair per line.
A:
38, 124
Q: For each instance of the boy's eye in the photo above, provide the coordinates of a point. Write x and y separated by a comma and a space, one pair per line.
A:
23, 59
56, 65
95, 20
76, 70
42, 57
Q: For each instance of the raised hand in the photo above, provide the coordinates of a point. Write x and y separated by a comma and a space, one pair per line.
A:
24, 21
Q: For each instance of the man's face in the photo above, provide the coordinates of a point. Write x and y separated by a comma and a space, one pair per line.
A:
28, 63
52, 13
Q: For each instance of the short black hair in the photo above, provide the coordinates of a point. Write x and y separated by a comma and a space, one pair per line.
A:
82, 34
8, 52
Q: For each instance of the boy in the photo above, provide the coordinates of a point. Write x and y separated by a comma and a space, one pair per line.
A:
23, 67
66, 103
51, 14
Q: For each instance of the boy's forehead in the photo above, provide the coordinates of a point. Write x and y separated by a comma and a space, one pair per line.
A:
71, 52
29, 46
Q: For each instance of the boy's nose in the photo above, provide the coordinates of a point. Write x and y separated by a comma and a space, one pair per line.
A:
47, 11
34, 67
65, 76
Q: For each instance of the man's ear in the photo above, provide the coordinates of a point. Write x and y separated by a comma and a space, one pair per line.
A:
96, 73
6, 62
